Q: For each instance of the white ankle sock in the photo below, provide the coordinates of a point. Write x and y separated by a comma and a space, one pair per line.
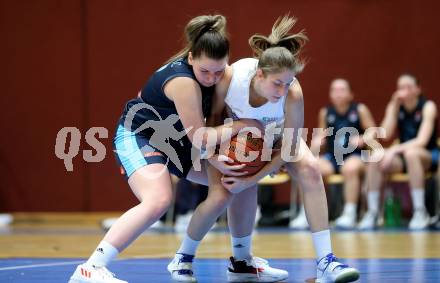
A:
103, 254
373, 202
350, 208
418, 199
241, 247
322, 243
188, 246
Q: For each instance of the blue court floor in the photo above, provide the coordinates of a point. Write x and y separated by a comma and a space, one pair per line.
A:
214, 270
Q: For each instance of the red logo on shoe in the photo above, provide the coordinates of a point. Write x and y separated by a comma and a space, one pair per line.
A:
86, 273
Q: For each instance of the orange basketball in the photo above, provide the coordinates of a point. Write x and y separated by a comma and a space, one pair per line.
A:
244, 149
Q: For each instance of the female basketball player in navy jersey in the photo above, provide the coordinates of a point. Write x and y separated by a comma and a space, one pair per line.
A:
415, 118
342, 113
152, 130
265, 89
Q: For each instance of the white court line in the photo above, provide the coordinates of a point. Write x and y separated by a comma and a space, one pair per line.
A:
49, 264
39, 265
148, 256
74, 262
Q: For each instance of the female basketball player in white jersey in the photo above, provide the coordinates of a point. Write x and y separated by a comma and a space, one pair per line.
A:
264, 89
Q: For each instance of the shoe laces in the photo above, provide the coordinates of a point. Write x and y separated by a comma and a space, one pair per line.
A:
329, 259
259, 260
104, 272
256, 262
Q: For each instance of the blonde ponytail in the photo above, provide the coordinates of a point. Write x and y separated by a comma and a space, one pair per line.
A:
279, 50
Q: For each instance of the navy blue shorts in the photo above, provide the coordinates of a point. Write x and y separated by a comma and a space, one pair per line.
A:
435, 155
330, 157
134, 151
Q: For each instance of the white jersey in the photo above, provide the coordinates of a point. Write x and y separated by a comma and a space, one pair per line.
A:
237, 98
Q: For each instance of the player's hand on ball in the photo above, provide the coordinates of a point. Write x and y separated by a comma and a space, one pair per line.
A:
236, 185
223, 164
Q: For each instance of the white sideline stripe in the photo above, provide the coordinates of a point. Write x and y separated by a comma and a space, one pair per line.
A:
149, 256
39, 265
49, 264
71, 262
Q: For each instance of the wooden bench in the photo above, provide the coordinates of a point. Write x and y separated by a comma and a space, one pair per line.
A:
276, 179
336, 199
335, 179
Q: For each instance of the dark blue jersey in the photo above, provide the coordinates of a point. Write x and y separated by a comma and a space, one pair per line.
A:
153, 97
338, 121
409, 124
153, 92
154, 117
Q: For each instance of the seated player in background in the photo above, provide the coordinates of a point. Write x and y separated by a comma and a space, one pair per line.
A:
417, 152
342, 112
